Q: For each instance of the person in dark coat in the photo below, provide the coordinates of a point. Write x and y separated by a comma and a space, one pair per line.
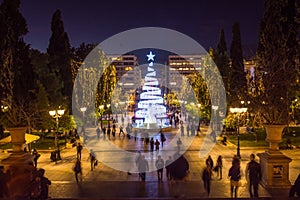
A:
160, 164
178, 170
79, 149
92, 159
77, 169
219, 166
45, 182
235, 176
253, 175
179, 167
209, 161
36, 156
98, 132
206, 177
4, 177
295, 189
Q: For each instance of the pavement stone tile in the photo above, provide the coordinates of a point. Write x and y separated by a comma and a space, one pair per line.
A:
106, 183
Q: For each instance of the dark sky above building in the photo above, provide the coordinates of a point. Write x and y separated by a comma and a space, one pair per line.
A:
92, 21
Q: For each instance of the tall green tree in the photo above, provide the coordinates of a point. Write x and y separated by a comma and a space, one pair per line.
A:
222, 61
17, 79
277, 56
106, 86
60, 61
238, 85
13, 28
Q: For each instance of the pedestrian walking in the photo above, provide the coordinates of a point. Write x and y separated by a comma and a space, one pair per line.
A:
152, 144
98, 133
44, 183
113, 132
160, 164
78, 170
104, 132
79, 149
122, 119
157, 143
219, 166
108, 131
206, 177
4, 177
179, 143
235, 177
137, 161
179, 170
295, 189
92, 159
121, 131
128, 131
188, 129
167, 165
253, 176
36, 156
135, 135
143, 167
162, 138
193, 129
209, 161
182, 129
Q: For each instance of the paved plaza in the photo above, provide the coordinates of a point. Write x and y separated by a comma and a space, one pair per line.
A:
107, 183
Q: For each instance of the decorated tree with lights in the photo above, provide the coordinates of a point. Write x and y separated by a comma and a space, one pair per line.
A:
277, 61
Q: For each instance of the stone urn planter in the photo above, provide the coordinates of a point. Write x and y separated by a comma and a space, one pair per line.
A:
17, 137
274, 164
274, 136
20, 166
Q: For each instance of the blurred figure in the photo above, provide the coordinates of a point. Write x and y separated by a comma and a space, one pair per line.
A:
235, 176
143, 167
160, 164
179, 170
4, 192
219, 166
206, 177
295, 189
79, 149
36, 156
209, 162
167, 164
93, 160
77, 169
253, 176
45, 182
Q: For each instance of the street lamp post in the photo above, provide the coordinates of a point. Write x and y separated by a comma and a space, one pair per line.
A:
83, 109
56, 114
215, 123
239, 111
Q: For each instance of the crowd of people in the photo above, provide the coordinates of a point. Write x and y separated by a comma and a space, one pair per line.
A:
174, 168
253, 175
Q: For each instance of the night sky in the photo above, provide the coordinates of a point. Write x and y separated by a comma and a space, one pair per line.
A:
92, 21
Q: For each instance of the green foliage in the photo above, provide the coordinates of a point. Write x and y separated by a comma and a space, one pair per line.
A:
238, 82
106, 86
221, 59
276, 59
60, 63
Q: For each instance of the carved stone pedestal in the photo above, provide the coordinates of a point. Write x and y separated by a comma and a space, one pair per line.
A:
275, 169
19, 166
274, 165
